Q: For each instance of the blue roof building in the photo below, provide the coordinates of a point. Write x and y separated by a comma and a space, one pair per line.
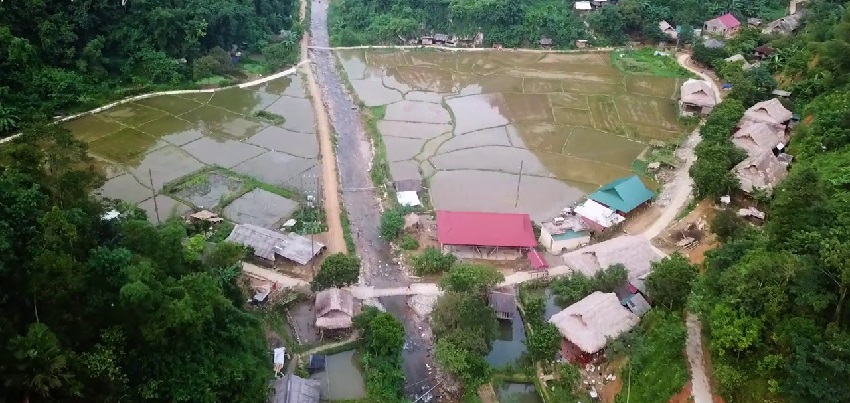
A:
623, 195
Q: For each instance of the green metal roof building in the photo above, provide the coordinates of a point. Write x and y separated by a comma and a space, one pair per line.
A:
623, 194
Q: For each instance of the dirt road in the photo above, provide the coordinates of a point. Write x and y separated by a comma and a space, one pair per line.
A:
362, 203
330, 187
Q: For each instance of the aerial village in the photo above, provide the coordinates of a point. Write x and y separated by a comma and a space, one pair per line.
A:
299, 278
612, 226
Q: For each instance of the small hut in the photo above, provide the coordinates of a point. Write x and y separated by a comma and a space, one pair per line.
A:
546, 43
503, 304
206, 216
334, 309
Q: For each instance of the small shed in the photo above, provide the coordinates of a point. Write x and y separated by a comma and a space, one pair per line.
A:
408, 185
637, 304
546, 43
583, 6
762, 52
426, 40
279, 359
294, 389
334, 309
537, 261
503, 304
441, 38
781, 93
206, 215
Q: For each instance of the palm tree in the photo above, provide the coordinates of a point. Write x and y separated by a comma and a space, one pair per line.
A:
8, 119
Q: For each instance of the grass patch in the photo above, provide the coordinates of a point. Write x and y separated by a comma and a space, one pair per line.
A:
346, 229
255, 67
657, 365
644, 61
219, 81
309, 220
248, 184
270, 117
380, 171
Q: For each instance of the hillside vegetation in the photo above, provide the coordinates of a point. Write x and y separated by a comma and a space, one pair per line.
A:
523, 22
60, 56
774, 299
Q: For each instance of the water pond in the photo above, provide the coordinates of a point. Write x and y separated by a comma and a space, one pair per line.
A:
517, 393
342, 378
527, 132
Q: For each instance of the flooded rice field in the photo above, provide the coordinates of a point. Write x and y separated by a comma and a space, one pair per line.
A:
517, 393
147, 144
342, 378
527, 132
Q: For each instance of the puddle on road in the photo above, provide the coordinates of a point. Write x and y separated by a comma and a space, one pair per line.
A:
517, 393
164, 138
342, 378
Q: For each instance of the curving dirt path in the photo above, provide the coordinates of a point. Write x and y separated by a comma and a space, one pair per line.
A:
330, 187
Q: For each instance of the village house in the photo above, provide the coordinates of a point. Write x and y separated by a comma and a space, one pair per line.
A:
668, 30
726, 25
205, 216
268, 244
582, 6
756, 138
739, 58
503, 304
634, 252
761, 172
587, 325
697, 98
476, 235
546, 43
598, 3
335, 310
597, 217
563, 233
783, 26
770, 112
294, 389
712, 43
441, 39
623, 195
762, 52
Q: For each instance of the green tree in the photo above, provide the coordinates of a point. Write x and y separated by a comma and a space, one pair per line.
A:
392, 223
726, 224
337, 270
466, 365
471, 277
544, 342
432, 261
670, 280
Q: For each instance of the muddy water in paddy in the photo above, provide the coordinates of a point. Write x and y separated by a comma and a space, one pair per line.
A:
165, 138
527, 132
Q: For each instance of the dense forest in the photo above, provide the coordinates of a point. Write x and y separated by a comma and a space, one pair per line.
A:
523, 22
107, 310
61, 56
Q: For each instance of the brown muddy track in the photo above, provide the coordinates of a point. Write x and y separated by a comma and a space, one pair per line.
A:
353, 156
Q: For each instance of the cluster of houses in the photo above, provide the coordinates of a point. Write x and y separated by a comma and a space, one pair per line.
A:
604, 210
763, 133
587, 325
727, 26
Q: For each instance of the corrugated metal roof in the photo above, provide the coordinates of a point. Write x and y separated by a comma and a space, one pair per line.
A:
623, 194
485, 229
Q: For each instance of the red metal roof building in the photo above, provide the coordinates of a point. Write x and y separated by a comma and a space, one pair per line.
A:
485, 229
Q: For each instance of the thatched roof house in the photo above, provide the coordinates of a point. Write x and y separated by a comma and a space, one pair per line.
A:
697, 97
635, 252
763, 171
589, 323
668, 30
294, 389
756, 138
206, 215
334, 309
770, 112
783, 26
